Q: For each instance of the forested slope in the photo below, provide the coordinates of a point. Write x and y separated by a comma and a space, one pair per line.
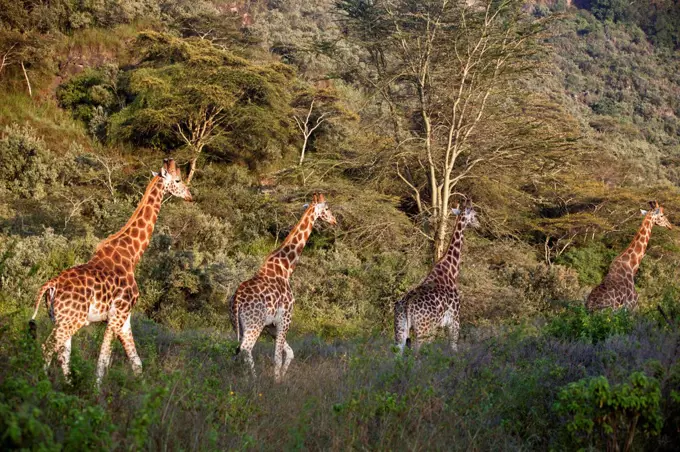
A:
576, 132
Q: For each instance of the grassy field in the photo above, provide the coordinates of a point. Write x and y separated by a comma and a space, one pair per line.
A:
506, 389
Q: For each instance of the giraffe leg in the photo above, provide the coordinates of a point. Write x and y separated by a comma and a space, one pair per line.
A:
454, 331
281, 346
417, 343
278, 356
400, 329
65, 359
125, 336
247, 344
419, 336
289, 357
60, 338
49, 348
105, 354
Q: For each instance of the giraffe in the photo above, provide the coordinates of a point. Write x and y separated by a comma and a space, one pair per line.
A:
266, 300
435, 302
617, 289
104, 289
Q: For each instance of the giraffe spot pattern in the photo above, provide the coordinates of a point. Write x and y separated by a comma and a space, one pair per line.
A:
265, 302
105, 288
617, 289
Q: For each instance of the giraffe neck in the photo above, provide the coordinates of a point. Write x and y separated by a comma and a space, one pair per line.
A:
285, 258
633, 255
446, 270
126, 246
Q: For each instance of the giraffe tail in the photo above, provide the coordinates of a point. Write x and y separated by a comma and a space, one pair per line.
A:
50, 289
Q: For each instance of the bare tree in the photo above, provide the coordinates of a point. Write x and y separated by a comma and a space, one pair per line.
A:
307, 126
110, 166
7, 56
25, 49
440, 64
197, 131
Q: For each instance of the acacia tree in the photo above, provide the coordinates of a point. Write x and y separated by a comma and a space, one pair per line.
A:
22, 48
441, 65
188, 93
314, 108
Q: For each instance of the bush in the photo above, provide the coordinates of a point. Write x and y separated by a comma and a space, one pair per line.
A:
27, 167
590, 261
35, 415
27, 262
92, 95
617, 412
578, 324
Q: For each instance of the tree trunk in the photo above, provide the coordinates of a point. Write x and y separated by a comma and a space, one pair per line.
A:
192, 170
440, 237
304, 148
28, 82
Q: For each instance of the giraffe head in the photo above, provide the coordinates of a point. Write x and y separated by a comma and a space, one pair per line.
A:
321, 209
657, 215
468, 215
172, 180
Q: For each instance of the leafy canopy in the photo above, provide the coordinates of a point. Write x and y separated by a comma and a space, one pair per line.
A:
180, 78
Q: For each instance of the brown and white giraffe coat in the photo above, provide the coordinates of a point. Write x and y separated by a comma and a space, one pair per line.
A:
104, 289
617, 289
266, 300
435, 302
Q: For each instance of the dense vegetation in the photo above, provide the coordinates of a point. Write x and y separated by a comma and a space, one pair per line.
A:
267, 102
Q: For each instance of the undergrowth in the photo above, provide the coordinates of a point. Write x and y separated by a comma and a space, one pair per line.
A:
519, 388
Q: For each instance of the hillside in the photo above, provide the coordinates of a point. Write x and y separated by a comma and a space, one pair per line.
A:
263, 104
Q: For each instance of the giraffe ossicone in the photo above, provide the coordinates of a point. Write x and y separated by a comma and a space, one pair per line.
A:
104, 288
617, 289
435, 302
265, 302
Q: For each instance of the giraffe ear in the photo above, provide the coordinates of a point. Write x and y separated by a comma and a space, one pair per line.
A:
154, 174
643, 212
455, 211
164, 172
304, 206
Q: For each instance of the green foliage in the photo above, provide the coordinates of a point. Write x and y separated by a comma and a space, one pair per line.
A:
36, 415
90, 90
575, 323
613, 10
27, 167
617, 412
659, 20
552, 216
590, 261
182, 84
32, 414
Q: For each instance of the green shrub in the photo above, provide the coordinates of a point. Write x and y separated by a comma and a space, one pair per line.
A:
617, 413
590, 261
577, 323
27, 262
27, 167
92, 95
35, 415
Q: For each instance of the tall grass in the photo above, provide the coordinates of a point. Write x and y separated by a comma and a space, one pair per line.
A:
495, 394
53, 124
